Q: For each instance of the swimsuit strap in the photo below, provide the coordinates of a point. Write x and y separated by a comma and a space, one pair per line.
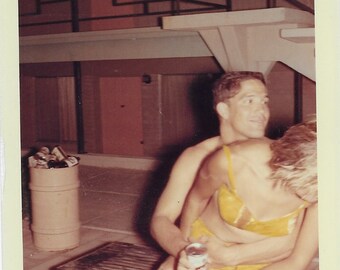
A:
230, 167
302, 206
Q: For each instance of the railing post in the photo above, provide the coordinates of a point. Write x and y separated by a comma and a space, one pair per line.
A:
38, 6
271, 3
75, 15
78, 85
145, 8
228, 5
298, 97
175, 7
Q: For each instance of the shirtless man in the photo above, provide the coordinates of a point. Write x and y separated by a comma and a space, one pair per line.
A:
243, 114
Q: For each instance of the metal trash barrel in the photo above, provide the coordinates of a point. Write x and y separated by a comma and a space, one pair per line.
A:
55, 208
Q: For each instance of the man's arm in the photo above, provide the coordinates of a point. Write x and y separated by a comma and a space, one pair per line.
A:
306, 246
169, 206
209, 179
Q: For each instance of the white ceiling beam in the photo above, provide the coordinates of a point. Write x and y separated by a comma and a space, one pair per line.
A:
256, 39
235, 42
139, 43
299, 35
213, 39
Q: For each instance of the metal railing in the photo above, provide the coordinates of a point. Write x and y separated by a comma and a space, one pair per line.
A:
177, 7
295, 3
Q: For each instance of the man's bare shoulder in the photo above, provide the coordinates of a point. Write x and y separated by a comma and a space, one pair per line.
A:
253, 148
193, 156
205, 147
250, 144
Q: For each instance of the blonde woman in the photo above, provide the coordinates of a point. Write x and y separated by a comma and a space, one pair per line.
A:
252, 191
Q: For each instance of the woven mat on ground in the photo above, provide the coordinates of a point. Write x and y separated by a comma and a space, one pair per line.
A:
117, 256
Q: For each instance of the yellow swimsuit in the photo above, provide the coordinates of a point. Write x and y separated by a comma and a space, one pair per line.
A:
234, 212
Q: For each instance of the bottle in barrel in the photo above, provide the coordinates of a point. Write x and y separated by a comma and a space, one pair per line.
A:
39, 159
62, 159
59, 152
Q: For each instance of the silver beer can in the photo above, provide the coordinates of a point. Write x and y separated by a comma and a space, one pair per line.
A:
197, 255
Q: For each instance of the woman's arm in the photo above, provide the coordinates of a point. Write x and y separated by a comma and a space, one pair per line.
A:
295, 251
268, 250
306, 246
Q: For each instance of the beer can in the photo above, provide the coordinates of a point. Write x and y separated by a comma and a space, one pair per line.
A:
59, 153
44, 150
197, 255
71, 161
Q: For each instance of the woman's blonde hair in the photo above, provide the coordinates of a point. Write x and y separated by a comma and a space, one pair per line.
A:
294, 160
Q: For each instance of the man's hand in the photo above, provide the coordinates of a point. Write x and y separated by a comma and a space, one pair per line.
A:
183, 263
168, 264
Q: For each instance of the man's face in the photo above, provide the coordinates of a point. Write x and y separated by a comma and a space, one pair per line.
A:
248, 110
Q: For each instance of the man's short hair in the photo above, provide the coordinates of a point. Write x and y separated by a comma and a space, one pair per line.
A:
228, 85
294, 160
